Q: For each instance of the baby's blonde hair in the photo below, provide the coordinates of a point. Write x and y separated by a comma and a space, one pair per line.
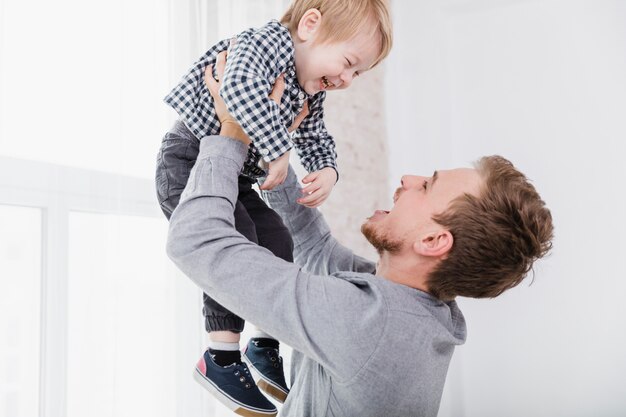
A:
343, 19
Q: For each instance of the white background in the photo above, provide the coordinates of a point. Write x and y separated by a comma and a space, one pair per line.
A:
542, 83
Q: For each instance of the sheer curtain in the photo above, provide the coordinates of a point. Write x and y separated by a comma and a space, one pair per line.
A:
82, 82
95, 319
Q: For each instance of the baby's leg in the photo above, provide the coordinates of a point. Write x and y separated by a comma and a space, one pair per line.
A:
262, 352
178, 154
220, 370
231, 385
222, 325
271, 232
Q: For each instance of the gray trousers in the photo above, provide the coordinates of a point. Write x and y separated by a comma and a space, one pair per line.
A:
253, 218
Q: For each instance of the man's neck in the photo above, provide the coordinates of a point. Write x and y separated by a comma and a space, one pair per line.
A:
403, 269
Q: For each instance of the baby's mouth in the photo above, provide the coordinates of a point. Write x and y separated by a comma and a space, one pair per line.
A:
326, 84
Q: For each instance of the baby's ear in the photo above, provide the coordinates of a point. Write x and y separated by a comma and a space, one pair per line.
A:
309, 24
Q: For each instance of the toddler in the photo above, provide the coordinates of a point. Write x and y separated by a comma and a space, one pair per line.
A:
318, 46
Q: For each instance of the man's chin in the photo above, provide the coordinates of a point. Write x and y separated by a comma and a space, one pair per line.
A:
380, 242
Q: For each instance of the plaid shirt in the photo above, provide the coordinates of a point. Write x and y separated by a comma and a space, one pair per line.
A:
254, 62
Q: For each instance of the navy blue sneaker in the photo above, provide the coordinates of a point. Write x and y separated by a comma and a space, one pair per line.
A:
267, 369
234, 387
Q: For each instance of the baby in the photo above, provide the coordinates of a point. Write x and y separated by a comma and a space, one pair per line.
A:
318, 46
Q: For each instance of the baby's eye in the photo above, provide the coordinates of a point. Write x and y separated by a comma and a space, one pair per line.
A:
424, 185
357, 73
348, 61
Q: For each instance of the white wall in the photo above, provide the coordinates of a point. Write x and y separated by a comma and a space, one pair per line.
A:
544, 84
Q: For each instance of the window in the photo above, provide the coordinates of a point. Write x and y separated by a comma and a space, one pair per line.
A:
82, 82
121, 318
95, 319
20, 301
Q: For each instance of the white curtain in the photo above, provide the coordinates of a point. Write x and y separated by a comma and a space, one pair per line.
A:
198, 24
96, 321
90, 303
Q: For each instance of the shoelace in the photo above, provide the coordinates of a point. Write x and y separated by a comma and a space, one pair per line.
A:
274, 358
242, 378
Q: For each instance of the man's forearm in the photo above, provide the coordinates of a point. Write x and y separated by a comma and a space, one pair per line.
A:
315, 249
203, 194
230, 128
303, 310
204, 244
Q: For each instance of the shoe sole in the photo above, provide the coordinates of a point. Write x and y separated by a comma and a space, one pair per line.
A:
227, 400
268, 386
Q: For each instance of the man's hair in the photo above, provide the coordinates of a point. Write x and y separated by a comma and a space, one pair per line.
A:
497, 234
343, 19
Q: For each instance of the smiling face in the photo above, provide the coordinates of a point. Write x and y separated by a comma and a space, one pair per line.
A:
331, 65
410, 222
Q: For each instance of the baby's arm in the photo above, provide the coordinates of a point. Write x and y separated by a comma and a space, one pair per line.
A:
319, 185
278, 167
316, 149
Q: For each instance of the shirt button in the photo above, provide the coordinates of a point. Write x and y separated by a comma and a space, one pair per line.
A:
264, 151
301, 95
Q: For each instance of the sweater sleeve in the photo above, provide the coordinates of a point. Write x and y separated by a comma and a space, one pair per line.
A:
317, 314
315, 248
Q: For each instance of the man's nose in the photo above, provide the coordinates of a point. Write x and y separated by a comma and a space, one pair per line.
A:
409, 181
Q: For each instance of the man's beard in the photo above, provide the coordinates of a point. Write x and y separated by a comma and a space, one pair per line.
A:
381, 243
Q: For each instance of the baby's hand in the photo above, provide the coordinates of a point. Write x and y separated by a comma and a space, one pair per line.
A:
320, 183
277, 172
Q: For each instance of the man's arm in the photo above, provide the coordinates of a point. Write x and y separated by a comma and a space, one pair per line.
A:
315, 314
315, 249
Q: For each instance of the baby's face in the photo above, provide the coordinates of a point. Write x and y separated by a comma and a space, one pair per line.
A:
333, 65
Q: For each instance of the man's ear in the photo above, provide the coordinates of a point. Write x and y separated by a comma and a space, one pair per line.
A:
309, 24
434, 244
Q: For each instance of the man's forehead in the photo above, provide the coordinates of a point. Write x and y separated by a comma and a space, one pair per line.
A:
448, 172
465, 179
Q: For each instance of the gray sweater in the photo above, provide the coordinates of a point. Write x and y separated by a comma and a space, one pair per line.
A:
363, 345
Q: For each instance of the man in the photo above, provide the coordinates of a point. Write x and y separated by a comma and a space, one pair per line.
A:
369, 339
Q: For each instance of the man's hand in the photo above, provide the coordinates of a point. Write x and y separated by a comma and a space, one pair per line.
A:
277, 172
320, 184
229, 126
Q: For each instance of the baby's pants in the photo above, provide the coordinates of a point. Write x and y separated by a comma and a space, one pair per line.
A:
253, 218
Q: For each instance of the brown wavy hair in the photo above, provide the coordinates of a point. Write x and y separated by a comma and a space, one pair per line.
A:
498, 235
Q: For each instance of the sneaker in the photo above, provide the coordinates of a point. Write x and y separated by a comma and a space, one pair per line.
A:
267, 369
234, 387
